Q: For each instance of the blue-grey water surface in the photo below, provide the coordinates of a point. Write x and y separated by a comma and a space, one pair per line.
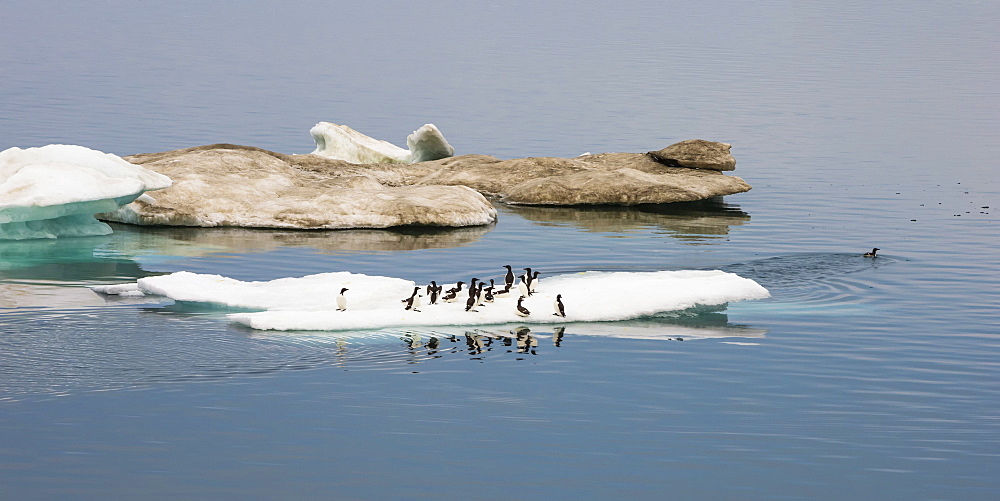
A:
859, 125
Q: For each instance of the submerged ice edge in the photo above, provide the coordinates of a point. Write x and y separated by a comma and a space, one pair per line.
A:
372, 302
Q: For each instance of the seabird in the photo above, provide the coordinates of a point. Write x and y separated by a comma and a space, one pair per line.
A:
508, 279
432, 292
413, 302
471, 303
533, 283
873, 252
452, 295
522, 286
560, 310
341, 300
521, 310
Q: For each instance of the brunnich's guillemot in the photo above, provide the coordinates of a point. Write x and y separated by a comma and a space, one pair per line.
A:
522, 286
873, 252
533, 283
560, 310
341, 300
433, 290
452, 295
508, 279
413, 302
521, 310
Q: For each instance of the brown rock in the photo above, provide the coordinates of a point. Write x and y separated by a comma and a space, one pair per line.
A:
696, 154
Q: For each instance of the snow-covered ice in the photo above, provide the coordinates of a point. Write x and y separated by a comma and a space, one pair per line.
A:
55, 190
341, 142
375, 302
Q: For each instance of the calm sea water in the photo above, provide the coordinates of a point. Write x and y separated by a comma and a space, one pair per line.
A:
858, 125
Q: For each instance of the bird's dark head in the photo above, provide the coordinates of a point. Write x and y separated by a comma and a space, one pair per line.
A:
345, 289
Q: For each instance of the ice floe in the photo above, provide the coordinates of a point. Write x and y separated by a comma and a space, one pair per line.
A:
374, 302
55, 190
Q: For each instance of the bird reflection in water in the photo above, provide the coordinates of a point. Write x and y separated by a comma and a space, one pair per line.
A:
519, 340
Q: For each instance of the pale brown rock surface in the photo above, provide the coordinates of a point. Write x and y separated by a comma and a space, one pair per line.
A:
230, 185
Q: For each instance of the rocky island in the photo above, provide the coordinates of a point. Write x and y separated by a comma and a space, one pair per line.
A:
353, 181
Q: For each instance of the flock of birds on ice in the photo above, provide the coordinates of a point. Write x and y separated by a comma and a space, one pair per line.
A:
479, 294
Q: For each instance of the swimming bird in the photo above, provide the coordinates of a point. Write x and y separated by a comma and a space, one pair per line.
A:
521, 310
508, 279
560, 310
341, 300
872, 253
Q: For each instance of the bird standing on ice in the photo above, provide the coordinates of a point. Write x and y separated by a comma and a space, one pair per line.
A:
341, 300
533, 283
521, 310
560, 310
452, 295
508, 279
873, 252
413, 302
433, 290
522, 286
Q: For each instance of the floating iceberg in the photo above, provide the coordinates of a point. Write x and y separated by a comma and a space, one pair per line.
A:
374, 302
55, 190
341, 142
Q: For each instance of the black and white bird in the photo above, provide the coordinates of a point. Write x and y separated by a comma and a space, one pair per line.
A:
522, 286
533, 282
872, 253
341, 300
558, 305
433, 290
521, 310
527, 277
471, 303
480, 292
413, 302
488, 293
452, 295
508, 279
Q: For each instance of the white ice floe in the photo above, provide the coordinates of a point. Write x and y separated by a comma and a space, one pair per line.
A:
55, 190
341, 142
308, 303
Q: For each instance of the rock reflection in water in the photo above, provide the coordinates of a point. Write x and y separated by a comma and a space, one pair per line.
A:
209, 240
692, 222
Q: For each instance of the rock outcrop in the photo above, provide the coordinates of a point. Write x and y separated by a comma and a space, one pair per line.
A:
229, 185
606, 178
696, 154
